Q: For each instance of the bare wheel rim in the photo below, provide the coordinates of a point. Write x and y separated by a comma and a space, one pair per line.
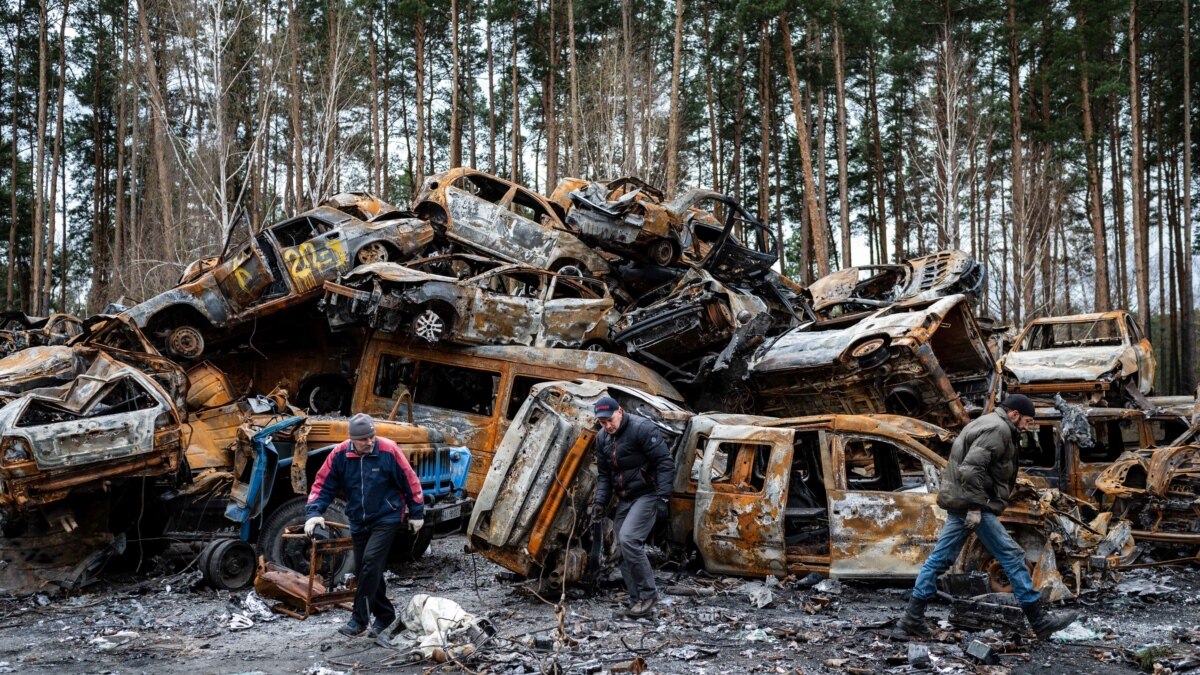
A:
429, 326
372, 253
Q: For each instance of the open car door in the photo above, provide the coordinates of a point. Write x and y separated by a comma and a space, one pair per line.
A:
740, 499
883, 515
244, 276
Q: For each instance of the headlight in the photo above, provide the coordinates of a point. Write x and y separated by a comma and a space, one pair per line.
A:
16, 450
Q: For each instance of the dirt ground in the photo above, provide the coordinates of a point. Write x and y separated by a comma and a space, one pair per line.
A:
704, 625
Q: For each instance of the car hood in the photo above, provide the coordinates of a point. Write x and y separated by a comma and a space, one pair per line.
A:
1069, 364
389, 271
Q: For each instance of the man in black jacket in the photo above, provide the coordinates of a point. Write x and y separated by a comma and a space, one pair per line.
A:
634, 462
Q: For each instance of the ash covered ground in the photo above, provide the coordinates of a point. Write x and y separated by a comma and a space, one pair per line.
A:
705, 624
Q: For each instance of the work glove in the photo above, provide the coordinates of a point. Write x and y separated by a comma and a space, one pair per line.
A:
312, 524
972, 520
414, 524
664, 508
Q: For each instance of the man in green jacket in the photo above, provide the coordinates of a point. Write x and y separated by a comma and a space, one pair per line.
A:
976, 486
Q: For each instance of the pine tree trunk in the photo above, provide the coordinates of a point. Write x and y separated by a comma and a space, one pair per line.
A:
1141, 244
56, 157
514, 169
419, 98
551, 106
820, 242
12, 173
877, 150
455, 124
491, 96
764, 127
1095, 203
575, 149
376, 182
1018, 174
673, 128
839, 71
39, 168
714, 156
628, 159
1187, 334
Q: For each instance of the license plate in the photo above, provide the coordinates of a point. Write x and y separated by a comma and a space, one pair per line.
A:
451, 512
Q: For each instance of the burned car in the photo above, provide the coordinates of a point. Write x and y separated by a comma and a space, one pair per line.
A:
279, 267
866, 288
1071, 445
111, 423
1158, 490
700, 228
509, 304
919, 358
498, 218
845, 495
700, 325
1090, 358
19, 331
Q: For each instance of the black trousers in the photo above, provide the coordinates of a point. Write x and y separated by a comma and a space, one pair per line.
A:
371, 547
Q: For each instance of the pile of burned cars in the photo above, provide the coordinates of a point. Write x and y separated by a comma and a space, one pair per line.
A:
476, 325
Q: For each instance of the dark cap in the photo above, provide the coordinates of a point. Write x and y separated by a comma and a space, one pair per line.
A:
362, 427
1020, 403
605, 407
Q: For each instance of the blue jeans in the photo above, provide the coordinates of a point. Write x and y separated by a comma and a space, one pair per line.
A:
995, 538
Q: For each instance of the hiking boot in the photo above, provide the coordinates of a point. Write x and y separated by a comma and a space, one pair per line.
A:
353, 628
642, 607
912, 623
379, 628
1045, 623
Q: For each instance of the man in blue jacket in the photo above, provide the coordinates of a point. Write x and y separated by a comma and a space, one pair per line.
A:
633, 461
381, 489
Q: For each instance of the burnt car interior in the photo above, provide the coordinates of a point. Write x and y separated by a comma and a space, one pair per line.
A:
123, 396
1100, 333
437, 385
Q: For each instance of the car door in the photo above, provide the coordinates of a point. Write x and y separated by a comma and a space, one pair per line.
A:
505, 307
244, 276
883, 515
571, 312
740, 499
313, 252
1144, 353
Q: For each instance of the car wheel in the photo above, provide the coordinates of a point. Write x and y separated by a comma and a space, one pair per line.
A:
186, 342
871, 352
294, 553
662, 253
374, 252
228, 564
570, 271
429, 325
596, 346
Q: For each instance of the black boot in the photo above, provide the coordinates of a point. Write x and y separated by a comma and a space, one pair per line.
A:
1046, 623
912, 622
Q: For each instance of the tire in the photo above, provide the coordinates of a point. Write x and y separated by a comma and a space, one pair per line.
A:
871, 351
185, 342
596, 346
663, 253
228, 564
976, 558
294, 553
325, 395
374, 252
431, 323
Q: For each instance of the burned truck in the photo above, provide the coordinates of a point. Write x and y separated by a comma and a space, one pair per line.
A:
918, 358
847, 496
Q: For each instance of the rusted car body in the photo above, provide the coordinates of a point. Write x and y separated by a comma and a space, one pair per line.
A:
18, 331
284, 265
113, 422
699, 228
510, 304
472, 394
919, 358
699, 325
503, 219
844, 495
1070, 451
1092, 358
867, 288
530, 515
1158, 490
